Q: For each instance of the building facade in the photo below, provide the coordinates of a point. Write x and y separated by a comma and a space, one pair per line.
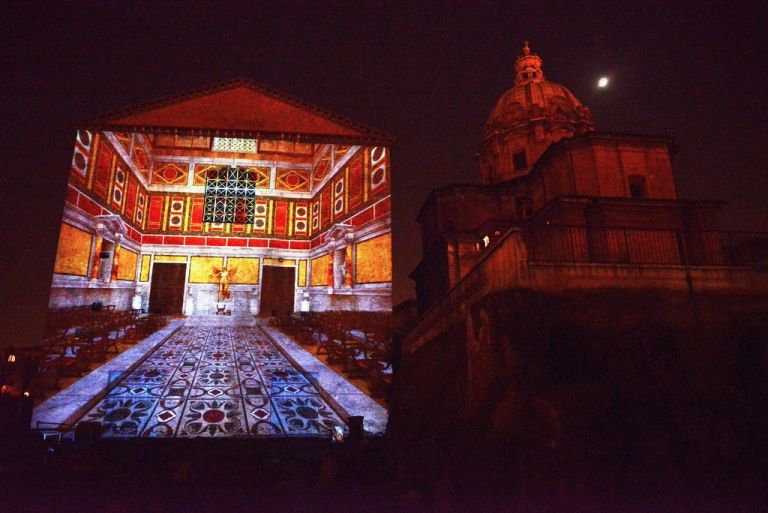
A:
574, 194
574, 313
231, 199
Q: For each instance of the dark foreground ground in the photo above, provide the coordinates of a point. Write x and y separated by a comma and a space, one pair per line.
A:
581, 403
292, 475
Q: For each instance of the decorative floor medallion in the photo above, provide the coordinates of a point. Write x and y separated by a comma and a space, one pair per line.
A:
215, 381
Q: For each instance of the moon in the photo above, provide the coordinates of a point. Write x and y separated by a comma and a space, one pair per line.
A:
603, 82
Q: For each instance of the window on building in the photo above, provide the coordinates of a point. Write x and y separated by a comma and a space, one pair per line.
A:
234, 144
637, 187
230, 195
519, 161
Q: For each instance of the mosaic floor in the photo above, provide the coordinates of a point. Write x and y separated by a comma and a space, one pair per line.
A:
215, 381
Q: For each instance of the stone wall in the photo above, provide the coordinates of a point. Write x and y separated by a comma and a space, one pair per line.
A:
202, 298
580, 393
361, 298
69, 296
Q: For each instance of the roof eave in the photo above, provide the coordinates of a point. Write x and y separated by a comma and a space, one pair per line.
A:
109, 120
380, 139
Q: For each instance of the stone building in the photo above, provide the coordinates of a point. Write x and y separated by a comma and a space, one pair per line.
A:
574, 312
576, 195
289, 201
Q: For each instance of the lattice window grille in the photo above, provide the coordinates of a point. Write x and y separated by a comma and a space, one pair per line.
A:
230, 196
234, 144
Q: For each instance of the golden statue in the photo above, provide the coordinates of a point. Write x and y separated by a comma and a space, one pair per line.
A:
224, 276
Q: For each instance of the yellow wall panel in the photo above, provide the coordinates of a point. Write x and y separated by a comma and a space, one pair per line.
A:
126, 268
246, 270
73, 252
320, 270
287, 262
291, 206
201, 268
187, 213
270, 205
144, 275
302, 273
167, 202
374, 260
171, 258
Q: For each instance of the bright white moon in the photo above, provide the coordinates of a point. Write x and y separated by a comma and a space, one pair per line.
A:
603, 82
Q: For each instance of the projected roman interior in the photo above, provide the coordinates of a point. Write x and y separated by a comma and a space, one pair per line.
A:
138, 199
233, 202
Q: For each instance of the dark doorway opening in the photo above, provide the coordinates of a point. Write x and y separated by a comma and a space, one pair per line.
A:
166, 293
277, 290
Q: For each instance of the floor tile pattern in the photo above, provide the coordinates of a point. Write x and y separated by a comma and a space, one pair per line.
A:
215, 381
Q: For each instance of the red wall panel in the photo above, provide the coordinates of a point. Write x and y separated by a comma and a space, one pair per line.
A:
325, 208
194, 241
355, 181
155, 216
196, 214
131, 192
72, 195
88, 205
383, 207
102, 171
281, 218
363, 217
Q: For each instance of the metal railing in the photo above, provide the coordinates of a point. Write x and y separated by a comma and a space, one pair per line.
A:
558, 243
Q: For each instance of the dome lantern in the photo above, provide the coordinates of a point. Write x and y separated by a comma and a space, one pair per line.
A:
528, 67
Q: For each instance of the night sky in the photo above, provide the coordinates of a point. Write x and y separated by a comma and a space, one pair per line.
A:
428, 75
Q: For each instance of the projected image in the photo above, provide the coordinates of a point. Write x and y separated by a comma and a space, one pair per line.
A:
229, 195
206, 285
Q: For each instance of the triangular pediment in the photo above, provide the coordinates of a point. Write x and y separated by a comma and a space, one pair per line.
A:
339, 231
111, 224
239, 108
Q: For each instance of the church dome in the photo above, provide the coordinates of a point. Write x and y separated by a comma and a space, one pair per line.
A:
533, 98
526, 120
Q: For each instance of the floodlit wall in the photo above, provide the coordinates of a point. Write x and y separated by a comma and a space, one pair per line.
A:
135, 200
